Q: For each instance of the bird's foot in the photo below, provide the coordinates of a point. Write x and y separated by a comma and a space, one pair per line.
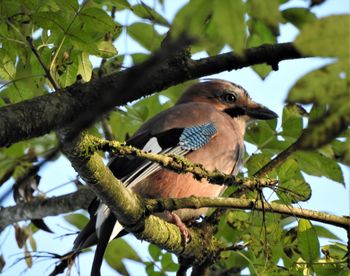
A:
185, 233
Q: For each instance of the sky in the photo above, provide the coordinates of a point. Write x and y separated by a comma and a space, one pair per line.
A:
326, 195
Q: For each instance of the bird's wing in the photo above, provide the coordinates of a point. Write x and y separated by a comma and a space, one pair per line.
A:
103, 225
178, 141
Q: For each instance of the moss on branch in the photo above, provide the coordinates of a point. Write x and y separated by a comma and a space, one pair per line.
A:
175, 163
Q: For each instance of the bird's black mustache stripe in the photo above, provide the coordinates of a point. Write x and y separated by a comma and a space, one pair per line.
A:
235, 111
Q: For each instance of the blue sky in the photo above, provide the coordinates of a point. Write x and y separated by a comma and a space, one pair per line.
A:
327, 195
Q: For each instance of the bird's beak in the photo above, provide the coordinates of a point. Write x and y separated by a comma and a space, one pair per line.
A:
258, 111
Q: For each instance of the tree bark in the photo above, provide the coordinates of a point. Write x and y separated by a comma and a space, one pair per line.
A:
84, 103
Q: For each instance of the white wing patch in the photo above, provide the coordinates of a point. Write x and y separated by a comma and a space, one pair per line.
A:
152, 146
102, 214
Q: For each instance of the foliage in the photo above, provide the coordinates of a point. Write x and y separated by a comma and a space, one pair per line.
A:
68, 35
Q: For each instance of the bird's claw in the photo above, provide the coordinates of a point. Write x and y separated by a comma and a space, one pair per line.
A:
185, 233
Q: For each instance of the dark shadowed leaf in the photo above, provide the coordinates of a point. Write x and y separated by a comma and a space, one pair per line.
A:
2, 263
298, 16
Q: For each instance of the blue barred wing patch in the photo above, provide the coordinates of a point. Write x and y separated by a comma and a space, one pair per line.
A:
193, 138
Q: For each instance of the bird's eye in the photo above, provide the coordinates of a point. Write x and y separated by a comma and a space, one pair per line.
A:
229, 98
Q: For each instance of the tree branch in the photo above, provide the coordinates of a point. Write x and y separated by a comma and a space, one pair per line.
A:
43, 207
43, 114
130, 210
175, 163
47, 71
171, 204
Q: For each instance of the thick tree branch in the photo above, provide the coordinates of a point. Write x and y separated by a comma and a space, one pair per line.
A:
38, 116
130, 210
43, 207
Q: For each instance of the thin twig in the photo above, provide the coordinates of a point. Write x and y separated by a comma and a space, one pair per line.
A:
171, 204
47, 72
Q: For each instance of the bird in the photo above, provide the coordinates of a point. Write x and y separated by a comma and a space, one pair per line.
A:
207, 126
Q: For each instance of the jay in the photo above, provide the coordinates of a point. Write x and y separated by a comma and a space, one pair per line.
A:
207, 126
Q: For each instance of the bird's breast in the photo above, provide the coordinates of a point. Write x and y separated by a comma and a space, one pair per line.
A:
222, 152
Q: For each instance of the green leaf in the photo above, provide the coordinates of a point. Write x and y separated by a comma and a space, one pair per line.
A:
146, 35
105, 49
257, 161
168, 264
325, 37
334, 269
337, 250
146, 12
323, 86
342, 151
316, 164
326, 128
228, 17
78, 220
260, 133
154, 251
7, 167
292, 122
84, 66
118, 250
299, 16
69, 75
98, 19
260, 34
323, 232
139, 57
292, 187
266, 11
50, 21
68, 5
123, 124
192, 18
7, 66
308, 243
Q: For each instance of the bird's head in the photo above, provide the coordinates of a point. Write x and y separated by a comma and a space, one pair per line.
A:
229, 98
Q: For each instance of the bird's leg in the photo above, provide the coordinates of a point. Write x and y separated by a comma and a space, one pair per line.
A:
175, 219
